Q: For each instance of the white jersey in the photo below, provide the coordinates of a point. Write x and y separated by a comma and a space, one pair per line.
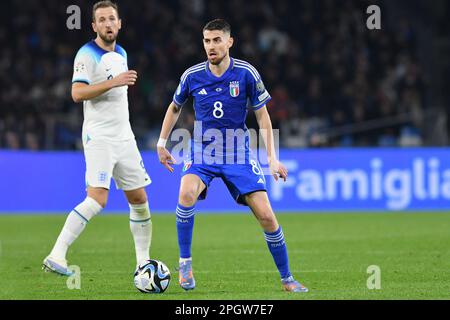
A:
106, 117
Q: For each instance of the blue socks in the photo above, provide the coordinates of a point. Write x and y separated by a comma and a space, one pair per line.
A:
185, 226
275, 241
277, 247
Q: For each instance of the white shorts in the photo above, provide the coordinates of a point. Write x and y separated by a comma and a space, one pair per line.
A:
120, 160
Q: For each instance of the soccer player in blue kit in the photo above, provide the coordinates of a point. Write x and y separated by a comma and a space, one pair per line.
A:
224, 89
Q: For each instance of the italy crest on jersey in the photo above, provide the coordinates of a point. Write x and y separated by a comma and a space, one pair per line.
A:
234, 88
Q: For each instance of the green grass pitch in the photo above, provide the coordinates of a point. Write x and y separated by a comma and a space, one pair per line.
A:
329, 253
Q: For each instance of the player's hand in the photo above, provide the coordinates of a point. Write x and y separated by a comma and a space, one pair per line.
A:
278, 170
165, 158
127, 78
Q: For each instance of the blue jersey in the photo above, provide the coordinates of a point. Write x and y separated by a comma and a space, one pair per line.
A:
221, 103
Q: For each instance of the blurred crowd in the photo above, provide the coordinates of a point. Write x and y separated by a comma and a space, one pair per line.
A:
327, 73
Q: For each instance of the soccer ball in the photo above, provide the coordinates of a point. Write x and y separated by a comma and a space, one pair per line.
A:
152, 276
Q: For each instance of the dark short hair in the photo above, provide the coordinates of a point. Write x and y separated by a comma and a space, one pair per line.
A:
218, 24
104, 4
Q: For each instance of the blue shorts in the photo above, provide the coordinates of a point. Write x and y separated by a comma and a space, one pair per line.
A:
240, 179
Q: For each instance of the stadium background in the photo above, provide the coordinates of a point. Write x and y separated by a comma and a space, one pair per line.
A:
363, 129
344, 98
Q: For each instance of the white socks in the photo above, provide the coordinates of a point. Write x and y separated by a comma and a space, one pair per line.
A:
75, 224
183, 260
141, 228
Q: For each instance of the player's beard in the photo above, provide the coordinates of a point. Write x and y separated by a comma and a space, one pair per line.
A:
108, 39
217, 60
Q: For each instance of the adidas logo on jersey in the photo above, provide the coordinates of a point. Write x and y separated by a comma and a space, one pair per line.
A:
261, 181
202, 92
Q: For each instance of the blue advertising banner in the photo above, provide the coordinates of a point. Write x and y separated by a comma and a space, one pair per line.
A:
319, 180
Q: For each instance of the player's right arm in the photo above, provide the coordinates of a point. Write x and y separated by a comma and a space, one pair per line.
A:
82, 91
170, 119
172, 114
83, 75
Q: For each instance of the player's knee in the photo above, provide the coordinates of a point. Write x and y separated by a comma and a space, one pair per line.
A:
99, 195
101, 202
267, 219
187, 198
140, 198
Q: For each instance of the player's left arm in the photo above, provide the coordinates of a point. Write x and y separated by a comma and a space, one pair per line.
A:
265, 125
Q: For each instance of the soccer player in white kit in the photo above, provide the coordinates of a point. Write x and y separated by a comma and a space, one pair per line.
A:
101, 79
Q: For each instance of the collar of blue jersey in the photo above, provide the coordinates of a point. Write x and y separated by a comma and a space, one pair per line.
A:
230, 67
